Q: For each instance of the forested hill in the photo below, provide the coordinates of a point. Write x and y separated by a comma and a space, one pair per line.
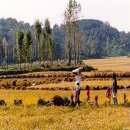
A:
8, 29
99, 39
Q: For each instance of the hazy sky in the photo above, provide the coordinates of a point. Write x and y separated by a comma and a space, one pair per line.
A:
116, 12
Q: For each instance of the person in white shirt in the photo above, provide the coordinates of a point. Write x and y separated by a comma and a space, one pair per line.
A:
77, 73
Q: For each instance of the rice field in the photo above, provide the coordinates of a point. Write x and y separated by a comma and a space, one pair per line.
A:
110, 63
29, 116
32, 117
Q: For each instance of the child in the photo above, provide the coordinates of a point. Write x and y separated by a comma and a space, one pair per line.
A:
108, 96
88, 93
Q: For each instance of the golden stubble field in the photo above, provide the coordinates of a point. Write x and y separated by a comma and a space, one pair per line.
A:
110, 63
32, 117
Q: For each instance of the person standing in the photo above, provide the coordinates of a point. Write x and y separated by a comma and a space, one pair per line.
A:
108, 96
77, 73
88, 93
114, 89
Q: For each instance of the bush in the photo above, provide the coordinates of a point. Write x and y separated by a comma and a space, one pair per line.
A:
58, 101
2, 102
41, 102
66, 101
88, 68
18, 102
48, 103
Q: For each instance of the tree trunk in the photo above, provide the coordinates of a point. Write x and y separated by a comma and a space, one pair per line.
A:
69, 57
75, 51
78, 55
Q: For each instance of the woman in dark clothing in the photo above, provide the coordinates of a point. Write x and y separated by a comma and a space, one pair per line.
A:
114, 88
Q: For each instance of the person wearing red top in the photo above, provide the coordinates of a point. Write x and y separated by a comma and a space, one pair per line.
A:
108, 96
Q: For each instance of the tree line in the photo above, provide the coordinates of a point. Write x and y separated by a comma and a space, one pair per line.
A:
73, 40
24, 49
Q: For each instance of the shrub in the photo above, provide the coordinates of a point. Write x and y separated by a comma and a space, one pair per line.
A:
66, 101
41, 102
18, 102
48, 103
88, 68
2, 102
58, 101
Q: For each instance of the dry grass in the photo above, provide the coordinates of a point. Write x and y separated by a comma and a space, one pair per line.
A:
48, 83
111, 63
31, 117
91, 83
30, 97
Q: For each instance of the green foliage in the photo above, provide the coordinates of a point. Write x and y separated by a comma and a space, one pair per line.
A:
20, 46
27, 44
38, 34
71, 15
38, 29
2, 52
98, 39
48, 41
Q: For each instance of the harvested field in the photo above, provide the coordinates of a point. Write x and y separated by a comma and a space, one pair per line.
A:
110, 63
64, 118
30, 116
59, 80
28, 99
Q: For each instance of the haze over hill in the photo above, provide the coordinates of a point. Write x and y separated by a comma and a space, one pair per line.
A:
114, 11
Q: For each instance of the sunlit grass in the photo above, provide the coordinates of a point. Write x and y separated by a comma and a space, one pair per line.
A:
111, 63
30, 116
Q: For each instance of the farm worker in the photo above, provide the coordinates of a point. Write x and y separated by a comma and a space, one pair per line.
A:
114, 89
74, 94
72, 103
88, 93
108, 96
77, 73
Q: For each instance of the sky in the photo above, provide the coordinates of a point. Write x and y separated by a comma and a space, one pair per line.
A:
116, 12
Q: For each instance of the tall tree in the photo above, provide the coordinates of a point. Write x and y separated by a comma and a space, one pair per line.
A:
48, 41
38, 34
79, 42
27, 44
31, 55
15, 54
71, 15
6, 49
19, 42
2, 53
